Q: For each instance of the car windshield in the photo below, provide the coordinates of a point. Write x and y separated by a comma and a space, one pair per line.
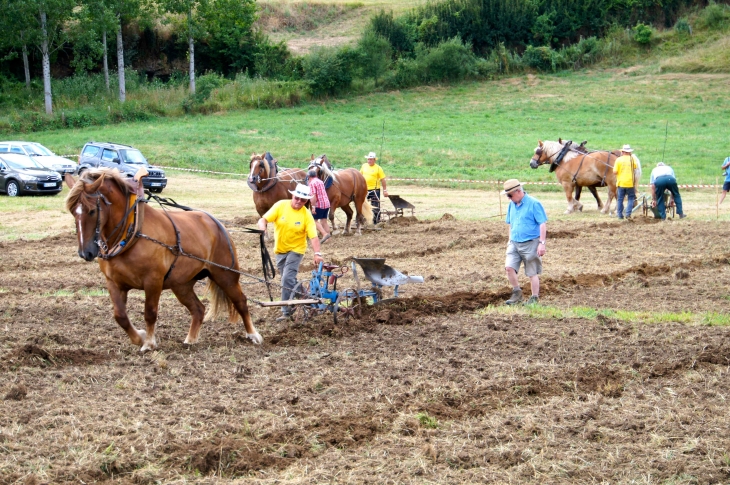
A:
37, 150
21, 162
134, 157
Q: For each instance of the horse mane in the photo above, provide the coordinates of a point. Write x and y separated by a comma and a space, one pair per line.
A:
91, 181
261, 158
327, 172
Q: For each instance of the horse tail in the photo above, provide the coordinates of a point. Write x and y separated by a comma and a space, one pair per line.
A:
220, 304
367, 212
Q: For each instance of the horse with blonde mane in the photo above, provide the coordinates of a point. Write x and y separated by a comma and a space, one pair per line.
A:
348, 185
142, 248
575, 168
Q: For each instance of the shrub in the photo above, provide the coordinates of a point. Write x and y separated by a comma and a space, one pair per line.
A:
643, 34
540, 58
274, 61
328, 70
398, 32
374, 55
204, 86
714, 17
683, 27
542, 30
407, 73
449, 61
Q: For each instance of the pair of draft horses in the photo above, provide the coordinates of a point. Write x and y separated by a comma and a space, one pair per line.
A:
144, 248
576, 167
271, 185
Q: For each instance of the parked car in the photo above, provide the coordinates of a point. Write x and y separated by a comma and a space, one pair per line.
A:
40, 154
21, 174
123, 157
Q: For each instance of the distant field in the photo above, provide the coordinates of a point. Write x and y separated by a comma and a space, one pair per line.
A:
477, 131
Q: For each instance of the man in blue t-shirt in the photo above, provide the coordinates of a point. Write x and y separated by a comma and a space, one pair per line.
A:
726, 185
527, 232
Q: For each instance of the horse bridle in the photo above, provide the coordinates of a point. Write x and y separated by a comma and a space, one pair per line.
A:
99, 240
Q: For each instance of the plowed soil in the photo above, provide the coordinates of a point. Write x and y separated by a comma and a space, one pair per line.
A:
441, 386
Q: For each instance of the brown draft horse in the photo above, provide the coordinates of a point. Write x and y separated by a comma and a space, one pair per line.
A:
348, 185
139, 247
270, 185
574, 168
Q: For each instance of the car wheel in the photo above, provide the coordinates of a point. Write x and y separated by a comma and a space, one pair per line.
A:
12, 189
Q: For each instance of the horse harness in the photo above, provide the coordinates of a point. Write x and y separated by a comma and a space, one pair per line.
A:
567, 148
134, 217
128, 237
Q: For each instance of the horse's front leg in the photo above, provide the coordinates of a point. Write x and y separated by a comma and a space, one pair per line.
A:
568, 189
151, 303
119, 300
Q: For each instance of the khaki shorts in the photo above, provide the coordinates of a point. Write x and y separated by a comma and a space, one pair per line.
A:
524, 252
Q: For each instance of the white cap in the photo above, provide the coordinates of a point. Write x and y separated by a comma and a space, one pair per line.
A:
371, 155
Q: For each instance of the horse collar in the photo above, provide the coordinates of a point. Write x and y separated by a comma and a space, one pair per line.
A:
561, 155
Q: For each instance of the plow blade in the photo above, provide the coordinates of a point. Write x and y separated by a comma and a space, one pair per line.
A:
378, 272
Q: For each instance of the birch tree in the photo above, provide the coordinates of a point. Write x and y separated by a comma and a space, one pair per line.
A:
194, 12
122, 11
48, 34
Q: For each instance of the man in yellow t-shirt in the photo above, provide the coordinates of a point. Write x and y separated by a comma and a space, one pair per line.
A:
375, 177
624, 168
293, 224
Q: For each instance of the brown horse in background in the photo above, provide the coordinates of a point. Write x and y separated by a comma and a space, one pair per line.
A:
348, 185
140, 248
574, 168
270, 185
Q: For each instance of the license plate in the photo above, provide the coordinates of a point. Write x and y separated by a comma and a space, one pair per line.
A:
155, 184
51, 184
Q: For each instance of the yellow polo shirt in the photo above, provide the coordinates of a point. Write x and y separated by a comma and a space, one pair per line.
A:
373, 175
624, 170
291, 227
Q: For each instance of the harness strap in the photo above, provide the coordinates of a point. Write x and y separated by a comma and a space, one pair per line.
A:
575, 175
605, 174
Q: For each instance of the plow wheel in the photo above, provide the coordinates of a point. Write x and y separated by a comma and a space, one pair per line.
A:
301, 313
346, 306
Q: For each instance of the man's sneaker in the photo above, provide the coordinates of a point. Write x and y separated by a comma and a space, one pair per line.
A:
284, 318
682, 216
515, 298
533, 300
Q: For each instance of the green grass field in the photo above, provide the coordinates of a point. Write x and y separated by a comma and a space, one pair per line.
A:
480, 131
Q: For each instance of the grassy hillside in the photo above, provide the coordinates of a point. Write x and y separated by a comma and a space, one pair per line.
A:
476, 131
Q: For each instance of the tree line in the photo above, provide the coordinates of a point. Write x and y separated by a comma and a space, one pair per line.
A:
441, 41
85, 27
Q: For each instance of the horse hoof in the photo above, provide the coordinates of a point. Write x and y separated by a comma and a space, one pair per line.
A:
148, 347
255, 338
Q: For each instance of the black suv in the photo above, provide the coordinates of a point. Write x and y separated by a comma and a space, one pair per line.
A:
123, 157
